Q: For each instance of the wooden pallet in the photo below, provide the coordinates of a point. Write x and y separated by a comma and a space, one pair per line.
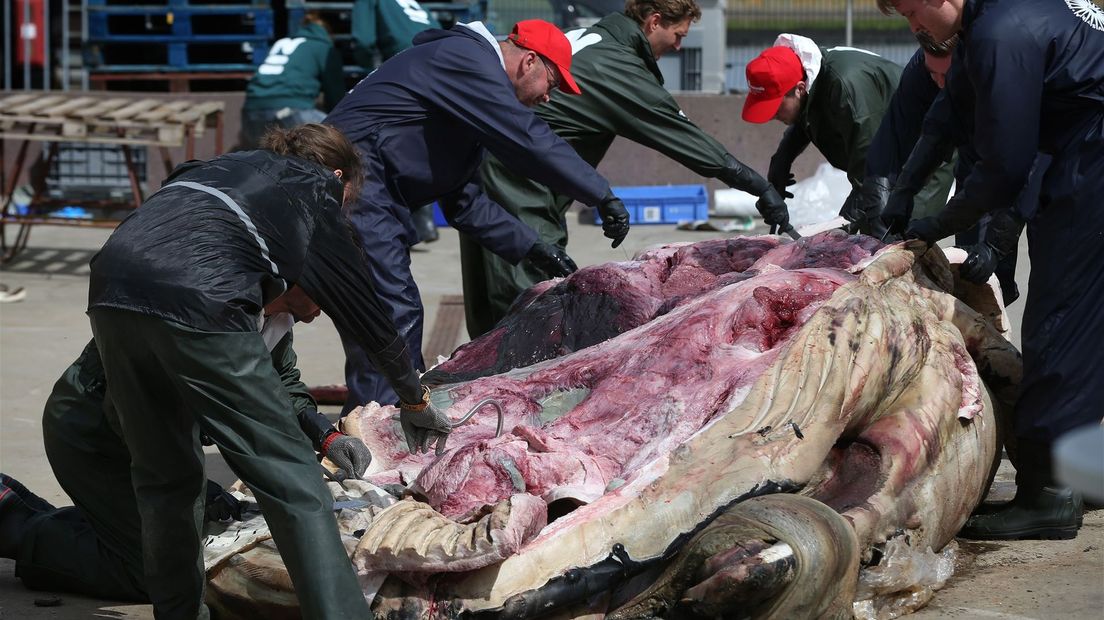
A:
74, 117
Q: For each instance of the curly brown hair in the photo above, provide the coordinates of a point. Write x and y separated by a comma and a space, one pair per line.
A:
670, 11
321, 144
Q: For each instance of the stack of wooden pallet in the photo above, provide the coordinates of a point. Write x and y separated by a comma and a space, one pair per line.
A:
117, 120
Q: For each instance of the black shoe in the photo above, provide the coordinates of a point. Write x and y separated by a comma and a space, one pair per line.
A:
33, 501
1053, 513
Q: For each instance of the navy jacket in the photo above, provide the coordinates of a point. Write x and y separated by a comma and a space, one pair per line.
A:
1037, 70
902, 123
425, 117
224, 238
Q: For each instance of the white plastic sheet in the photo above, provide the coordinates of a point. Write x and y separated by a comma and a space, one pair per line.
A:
816, 199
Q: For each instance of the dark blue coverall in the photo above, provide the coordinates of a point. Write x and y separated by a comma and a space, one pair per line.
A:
950, 116
1037, 70
422, 121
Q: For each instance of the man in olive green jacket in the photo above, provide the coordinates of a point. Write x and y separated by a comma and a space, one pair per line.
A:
834, 99
614, 63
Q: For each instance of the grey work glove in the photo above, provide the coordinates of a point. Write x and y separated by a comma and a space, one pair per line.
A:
349, 454
220, 505
424, 425
615, 218
551, 260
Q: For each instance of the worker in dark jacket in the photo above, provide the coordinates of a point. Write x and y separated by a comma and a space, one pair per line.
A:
1037, 73
422, 121
388, 27
921, 80
284, 89
920, 131
94, 547
614, 63
834, 99
176, 296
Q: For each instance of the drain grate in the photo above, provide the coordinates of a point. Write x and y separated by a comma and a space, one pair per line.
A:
446, 328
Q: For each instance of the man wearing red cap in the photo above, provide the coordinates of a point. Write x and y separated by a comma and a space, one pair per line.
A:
623, 95
423, 122
833, 98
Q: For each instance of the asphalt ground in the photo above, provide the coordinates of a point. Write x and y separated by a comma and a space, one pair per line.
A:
43, 334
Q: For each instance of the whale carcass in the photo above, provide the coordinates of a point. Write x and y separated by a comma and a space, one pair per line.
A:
729, 428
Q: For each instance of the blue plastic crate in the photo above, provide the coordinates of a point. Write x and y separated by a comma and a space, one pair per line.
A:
662, 204
439, 216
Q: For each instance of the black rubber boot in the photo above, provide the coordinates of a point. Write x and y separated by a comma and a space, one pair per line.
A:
1052, 513
424, 224
1041, 509
33, 501
14, 515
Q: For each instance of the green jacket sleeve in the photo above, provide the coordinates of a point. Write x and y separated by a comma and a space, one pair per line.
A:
315, 425
637, 107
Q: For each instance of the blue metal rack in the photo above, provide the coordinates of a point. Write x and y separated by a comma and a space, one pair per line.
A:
177, 38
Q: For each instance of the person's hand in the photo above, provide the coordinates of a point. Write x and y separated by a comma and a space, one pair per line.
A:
926, 229
779, 176
348, 453
220, 505
898, 210
615, 219
550, 259
424, 425
979, 264
773, 209
863, 207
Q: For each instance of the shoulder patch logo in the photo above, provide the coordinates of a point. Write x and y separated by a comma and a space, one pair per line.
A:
1089, 12
580, 39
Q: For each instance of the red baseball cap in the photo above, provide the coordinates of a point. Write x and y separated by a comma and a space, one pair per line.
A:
770, 76
549, 41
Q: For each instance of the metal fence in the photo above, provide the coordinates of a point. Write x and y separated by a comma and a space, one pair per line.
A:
62, 26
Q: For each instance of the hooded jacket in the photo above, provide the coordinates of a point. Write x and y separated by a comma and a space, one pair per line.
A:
222, 239
296, 69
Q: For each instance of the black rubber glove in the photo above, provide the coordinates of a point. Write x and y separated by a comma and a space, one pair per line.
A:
999, 238
779, 173
781, 182
773, 209
348, 453
980, 264
550, 259
220, 505
424, 425
615, 218
863, 208
928, 154
926, 229
898, 210
770, 204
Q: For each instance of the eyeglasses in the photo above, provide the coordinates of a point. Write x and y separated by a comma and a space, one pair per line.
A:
552, 79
